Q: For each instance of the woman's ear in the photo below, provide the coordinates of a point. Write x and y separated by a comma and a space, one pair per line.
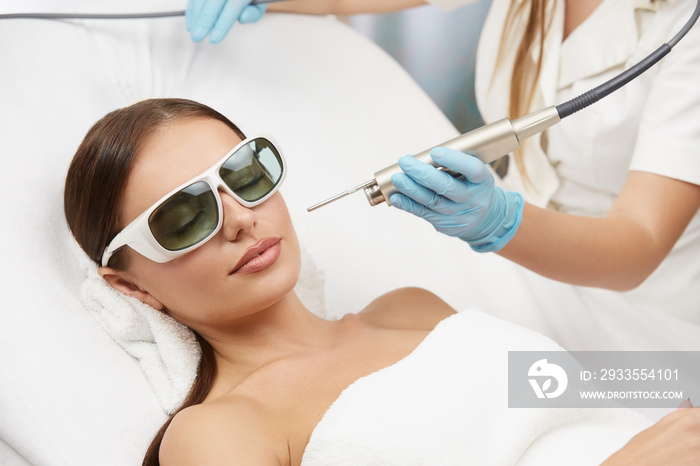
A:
122, 282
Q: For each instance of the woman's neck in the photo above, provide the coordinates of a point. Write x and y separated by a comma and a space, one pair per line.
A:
282, 330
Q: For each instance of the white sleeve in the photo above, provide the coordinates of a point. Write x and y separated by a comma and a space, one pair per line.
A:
669, 132
449, 4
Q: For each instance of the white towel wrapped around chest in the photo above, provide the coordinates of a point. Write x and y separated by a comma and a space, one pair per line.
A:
447, 404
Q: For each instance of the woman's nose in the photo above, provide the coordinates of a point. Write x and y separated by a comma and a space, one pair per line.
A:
237, 218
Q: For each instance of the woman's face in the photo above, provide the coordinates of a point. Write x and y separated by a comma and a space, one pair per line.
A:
199, 288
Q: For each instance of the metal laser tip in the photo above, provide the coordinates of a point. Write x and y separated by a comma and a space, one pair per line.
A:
366, 184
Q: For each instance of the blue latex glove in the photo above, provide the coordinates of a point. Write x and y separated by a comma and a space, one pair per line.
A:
215, 18
476, 211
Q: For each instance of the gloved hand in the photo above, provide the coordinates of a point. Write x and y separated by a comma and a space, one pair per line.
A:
474, 210
216, 17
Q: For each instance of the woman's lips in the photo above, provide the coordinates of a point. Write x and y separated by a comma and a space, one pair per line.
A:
259, 256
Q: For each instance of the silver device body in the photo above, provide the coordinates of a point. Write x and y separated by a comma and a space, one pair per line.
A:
486, 143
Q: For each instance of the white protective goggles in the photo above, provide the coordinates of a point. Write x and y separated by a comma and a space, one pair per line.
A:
192, 213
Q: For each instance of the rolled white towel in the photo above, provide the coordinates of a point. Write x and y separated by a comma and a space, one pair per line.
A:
166, 350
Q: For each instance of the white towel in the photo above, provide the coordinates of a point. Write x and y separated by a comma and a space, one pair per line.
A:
446, 404
166, 350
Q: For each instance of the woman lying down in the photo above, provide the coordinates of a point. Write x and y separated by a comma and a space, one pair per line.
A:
405, 381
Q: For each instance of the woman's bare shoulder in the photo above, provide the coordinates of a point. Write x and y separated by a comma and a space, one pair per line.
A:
407, 308
231, 432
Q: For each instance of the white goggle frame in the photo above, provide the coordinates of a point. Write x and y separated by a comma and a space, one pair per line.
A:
138, 236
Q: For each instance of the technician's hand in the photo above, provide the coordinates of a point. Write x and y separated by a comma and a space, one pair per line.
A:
216, 17
474, 210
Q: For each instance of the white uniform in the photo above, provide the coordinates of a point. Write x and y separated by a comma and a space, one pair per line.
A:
650, 125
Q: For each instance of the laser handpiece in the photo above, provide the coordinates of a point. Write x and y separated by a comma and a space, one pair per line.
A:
487, 143
498, 139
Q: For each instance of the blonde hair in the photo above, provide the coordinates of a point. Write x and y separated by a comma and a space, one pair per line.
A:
526, 72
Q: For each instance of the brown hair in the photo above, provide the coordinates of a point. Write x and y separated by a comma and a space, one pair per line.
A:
93, 192
206, 373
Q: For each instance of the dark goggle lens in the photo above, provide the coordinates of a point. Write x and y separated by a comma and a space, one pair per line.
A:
253, 171
185, 218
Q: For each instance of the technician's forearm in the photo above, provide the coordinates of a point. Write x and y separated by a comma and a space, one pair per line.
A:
343, 7
612, 252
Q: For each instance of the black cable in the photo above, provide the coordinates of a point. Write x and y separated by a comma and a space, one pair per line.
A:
684, 30
594, 95
162, 14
